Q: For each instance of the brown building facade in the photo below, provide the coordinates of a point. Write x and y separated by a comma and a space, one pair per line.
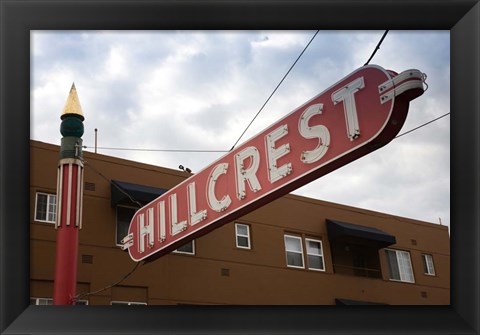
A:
294, 250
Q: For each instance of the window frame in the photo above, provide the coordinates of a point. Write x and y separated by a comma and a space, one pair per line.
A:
116, 221
47, 212
426, 265
127, 303
83, 302
176, 251
49, 301
322, 257
285, 236
237, 235
400, 271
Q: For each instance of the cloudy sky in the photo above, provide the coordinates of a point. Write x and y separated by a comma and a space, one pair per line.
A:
194, 90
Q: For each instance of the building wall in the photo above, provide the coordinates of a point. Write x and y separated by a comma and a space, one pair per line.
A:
219, 272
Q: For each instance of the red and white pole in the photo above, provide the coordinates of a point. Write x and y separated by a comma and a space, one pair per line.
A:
69, 202
70, 181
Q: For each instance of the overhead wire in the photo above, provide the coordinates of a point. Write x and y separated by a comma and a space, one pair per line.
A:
261, 108
207, 151
422, 125
281, 81
87, 164
83, 295
159, 150
377, 47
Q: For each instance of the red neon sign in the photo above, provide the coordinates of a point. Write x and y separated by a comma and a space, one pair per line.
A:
357, 115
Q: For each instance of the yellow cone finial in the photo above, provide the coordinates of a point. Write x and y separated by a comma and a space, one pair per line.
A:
72, 106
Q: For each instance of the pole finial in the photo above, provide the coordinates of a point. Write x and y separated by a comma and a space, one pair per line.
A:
72, 106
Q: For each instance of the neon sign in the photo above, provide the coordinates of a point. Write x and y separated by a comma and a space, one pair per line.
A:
357, 115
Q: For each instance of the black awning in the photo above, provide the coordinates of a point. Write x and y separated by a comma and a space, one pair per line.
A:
340, 230
348, 302
123, 193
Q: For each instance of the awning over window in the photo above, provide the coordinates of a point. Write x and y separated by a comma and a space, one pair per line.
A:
123, 193
347, 302
340, 230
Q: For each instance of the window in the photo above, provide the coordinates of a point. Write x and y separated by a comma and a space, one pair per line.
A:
428, 268
124, 216
81, 302
242, 233
45, 207
128, 303
399, 265
315, 254
49, 301
187, 248
294, 251
41, 301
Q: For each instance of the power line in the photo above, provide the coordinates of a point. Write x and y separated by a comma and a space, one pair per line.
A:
114, 184
377, 47
281, 81
159, 150
422, 125
224, 151
79, 296
256, 115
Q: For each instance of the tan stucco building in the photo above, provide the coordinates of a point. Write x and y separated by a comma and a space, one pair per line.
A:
294, 250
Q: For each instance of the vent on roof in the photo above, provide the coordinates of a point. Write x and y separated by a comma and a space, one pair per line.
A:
89, 186
87, 259
225, 272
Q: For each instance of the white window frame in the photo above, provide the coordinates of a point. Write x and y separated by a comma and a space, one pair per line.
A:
176, 251
48, 301
402, 262
116, 221
237, 235
316, 255
48, 212
428, 262
128, 303
294, 251
81, 302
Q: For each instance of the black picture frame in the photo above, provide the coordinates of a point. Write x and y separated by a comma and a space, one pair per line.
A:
18, 18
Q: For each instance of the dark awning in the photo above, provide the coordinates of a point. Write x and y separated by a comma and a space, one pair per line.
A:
348, 302
340, 230
127, 194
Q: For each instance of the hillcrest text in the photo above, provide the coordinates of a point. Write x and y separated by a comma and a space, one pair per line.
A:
357, 115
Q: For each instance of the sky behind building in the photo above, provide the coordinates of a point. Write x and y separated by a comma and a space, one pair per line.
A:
198, 90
